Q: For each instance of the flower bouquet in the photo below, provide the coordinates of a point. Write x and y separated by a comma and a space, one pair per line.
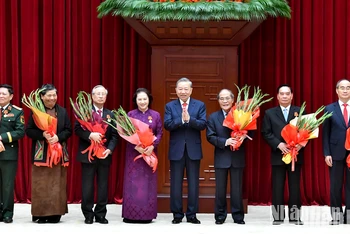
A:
243, 115
301, 129
135, 132
47, 123
91, 121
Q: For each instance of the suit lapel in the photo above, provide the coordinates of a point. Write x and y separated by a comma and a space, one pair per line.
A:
178, 107
279, 113
338, 113
104, 114
221, 117
292, 110
191, 106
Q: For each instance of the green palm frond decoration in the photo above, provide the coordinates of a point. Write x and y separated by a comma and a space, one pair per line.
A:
195, 10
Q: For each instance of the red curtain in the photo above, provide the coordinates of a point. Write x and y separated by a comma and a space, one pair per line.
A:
311, 52
64, 43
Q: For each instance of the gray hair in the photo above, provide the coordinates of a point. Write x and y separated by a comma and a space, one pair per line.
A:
337, 86
231, 94
184, 79
98, 86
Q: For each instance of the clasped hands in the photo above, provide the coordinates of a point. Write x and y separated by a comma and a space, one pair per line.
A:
97, 138
285, 149
185, 116
234, 141
50, 139
147, 151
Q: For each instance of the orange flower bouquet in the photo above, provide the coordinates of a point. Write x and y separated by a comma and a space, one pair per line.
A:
91, 121
45, 122
300, 130
135, 132
243, 115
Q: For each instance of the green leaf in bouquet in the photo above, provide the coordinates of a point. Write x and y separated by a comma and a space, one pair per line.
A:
311, 123
34, 100
121, 119
82, 106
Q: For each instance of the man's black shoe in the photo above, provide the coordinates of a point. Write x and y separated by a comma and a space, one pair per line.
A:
193, 220
239, 221
296, 222
89, 220
277, 222
8, 220
176, 221
101, 220
219, 221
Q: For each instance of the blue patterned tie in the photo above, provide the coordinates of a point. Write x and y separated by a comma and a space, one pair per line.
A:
285, 113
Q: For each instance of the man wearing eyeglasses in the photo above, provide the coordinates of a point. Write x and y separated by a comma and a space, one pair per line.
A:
334, 136
226, 162
99, 167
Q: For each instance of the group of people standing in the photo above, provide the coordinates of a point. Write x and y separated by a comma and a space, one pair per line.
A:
184, 118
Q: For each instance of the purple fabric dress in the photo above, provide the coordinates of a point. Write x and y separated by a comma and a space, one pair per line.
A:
140, 183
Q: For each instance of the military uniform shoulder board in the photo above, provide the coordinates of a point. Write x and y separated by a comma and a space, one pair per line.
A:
18, 108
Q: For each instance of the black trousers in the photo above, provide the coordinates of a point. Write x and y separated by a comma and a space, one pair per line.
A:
236, 199
8, 169
279, 174
89, 171
177, 169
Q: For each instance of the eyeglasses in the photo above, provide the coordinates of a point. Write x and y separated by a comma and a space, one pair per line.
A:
225, 99
100, 94
344, 88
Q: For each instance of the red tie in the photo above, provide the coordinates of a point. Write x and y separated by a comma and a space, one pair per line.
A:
99, 112
184, 106
345, 113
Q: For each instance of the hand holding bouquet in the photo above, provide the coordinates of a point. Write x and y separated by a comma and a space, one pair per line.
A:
242, 116
91, 121
301, 129
46, 123
137, 133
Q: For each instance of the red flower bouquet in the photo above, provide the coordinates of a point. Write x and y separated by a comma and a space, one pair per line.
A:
300, 130
242, 116
135, 132
91, 121
45, 122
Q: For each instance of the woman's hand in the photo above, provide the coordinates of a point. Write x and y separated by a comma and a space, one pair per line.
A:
139, 149
149, 150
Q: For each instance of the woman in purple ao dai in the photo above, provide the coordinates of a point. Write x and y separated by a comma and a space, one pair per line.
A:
140, 182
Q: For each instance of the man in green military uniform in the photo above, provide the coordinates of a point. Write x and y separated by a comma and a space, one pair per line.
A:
11, 130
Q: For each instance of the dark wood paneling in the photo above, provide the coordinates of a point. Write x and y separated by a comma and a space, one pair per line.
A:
213, 33
210, 69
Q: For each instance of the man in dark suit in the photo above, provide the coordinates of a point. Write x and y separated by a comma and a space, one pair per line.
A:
226, 161
334, 135
274, 121
11, 130
184, 118
98, 167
